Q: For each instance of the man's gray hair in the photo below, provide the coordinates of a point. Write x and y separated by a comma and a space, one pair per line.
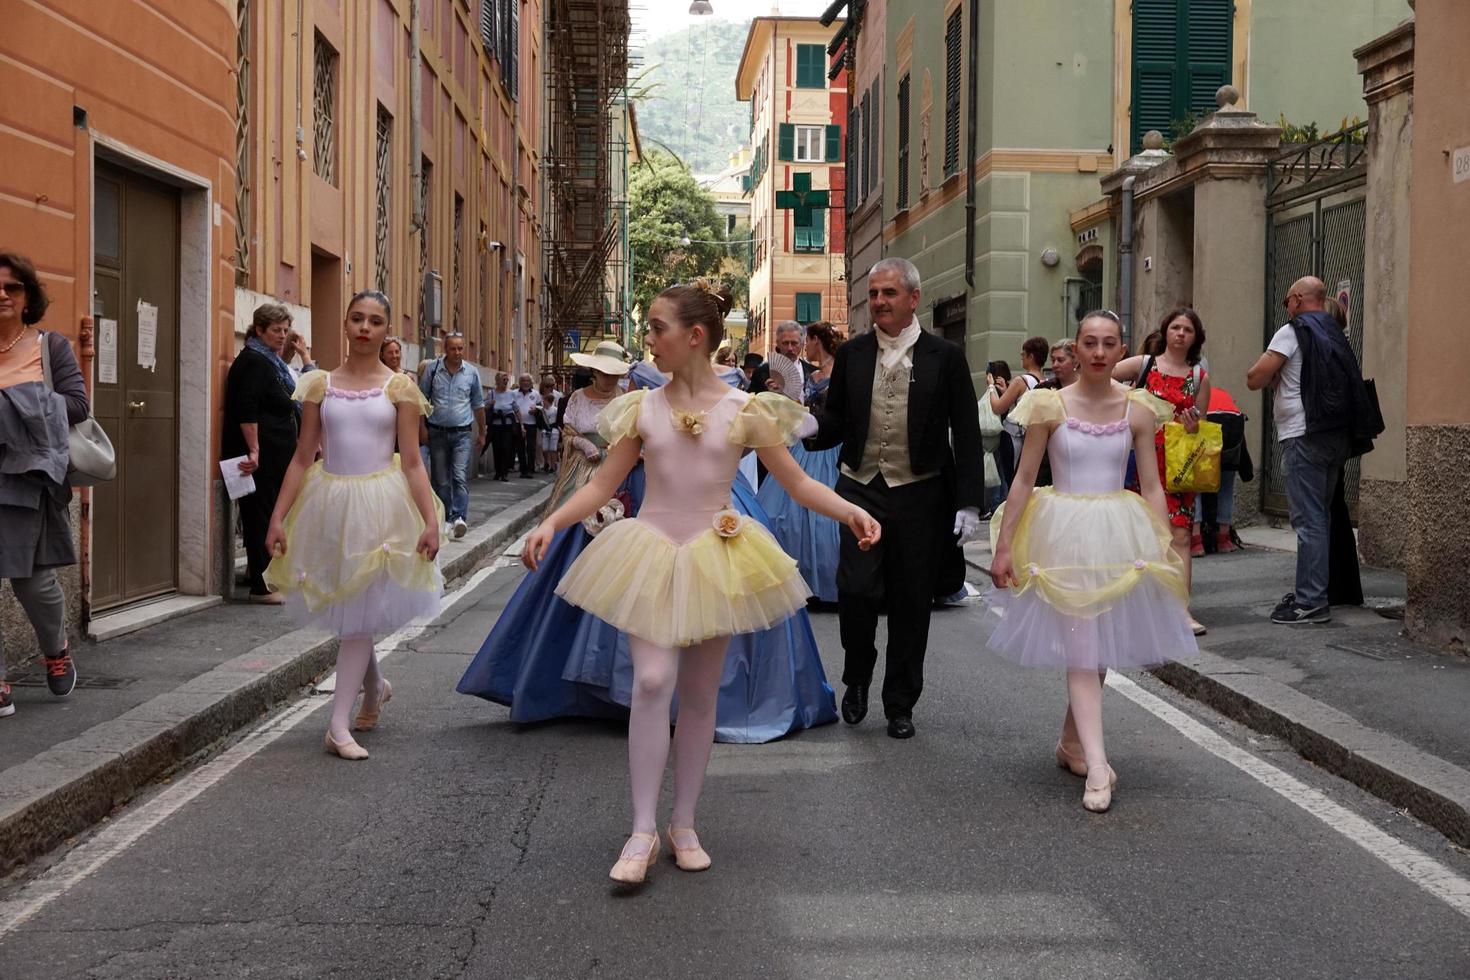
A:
908, 273
788, 325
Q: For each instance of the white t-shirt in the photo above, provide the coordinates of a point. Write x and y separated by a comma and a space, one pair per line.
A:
526, 404
1289, 414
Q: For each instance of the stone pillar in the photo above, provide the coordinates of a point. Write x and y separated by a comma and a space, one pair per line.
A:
1387, 67
1436, 511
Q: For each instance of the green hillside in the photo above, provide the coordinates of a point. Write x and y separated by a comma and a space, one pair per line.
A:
692, 108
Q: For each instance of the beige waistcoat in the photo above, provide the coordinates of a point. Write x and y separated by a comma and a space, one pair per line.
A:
887, 448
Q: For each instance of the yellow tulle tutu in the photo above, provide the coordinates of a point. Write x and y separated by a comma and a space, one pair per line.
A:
351, 555
676, 595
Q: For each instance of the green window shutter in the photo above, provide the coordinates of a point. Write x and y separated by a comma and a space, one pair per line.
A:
808, 307
811, 67
812, 237
834, 144
1156, 47
1208, 63
786, 142
902, 195
952, 49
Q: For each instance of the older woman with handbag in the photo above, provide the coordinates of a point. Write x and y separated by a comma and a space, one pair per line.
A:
42, 394
261, 425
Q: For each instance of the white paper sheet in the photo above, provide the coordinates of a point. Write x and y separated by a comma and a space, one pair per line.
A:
106, 351
237, 484
147, 335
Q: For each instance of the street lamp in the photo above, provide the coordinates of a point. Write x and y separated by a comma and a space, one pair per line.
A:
701, 8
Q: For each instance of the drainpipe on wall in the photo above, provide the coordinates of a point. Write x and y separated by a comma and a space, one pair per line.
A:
415, 144
1125, 262
972, 122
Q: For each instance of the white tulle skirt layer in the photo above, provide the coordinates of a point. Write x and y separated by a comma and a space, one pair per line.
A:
351, 564
1099, 586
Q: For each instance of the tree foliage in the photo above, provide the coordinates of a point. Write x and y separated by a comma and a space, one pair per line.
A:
687, 92
667, 206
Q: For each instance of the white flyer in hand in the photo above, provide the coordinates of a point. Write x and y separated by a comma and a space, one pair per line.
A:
237, 484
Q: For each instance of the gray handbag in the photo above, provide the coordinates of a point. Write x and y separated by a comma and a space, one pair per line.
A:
92, 458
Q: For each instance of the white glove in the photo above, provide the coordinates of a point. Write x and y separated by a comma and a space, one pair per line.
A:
967, 524
807, 428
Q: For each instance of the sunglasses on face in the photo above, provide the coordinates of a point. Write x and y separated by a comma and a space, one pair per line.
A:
1286, 303
14, 290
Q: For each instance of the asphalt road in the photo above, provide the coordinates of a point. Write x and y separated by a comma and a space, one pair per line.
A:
468, 847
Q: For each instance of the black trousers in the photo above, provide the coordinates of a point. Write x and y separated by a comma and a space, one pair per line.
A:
897, 576
528, 449
255, 515
503, 448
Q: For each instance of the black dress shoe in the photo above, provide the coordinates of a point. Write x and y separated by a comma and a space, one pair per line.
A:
900, 726
855, 704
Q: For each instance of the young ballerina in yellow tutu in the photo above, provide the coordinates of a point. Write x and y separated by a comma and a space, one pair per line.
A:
688, 571
355, 536
1084, 573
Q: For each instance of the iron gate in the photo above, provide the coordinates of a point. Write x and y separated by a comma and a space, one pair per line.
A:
1316, 213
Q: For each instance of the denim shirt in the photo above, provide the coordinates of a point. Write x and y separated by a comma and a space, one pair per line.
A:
455, 395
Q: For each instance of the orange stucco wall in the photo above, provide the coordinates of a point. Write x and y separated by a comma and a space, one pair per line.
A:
1439, 215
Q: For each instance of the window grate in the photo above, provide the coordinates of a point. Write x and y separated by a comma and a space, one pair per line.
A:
243, 223
458, 286
324, 100
382, 241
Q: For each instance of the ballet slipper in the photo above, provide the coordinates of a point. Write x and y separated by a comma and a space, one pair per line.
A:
368, 720
348, 750
691, 857
633, 870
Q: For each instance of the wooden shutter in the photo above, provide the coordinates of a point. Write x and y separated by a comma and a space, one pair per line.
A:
810, 68
864, 179
1156, 29
834, 143
873, 138
1208, 64
854, 158
513, 83
902, 201
952, 51
786, 141
487, 25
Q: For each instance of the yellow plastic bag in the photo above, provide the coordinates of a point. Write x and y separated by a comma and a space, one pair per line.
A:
1192, 460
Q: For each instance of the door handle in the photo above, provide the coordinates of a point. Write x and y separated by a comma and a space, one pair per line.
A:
137, 406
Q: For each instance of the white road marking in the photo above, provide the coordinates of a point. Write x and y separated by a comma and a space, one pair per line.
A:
1423, 870
87, 858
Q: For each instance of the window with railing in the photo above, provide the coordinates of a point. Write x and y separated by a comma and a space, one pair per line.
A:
382, 236
324, 103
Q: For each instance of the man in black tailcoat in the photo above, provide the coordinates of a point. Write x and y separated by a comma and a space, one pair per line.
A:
899, 399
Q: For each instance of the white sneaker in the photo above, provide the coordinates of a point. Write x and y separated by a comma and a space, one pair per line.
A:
460, 527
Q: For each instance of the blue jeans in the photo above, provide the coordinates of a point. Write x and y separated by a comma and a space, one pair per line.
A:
1311, 465
449, 467
1224, 500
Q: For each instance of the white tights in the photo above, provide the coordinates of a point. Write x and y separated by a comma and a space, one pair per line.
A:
1084, 717
657, 672
357, 669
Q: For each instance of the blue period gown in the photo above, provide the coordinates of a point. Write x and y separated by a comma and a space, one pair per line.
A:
809, 537
546, 658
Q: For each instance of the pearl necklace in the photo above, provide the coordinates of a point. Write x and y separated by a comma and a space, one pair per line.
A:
8, 347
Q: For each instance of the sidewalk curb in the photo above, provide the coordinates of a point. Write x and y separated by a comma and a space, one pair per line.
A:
1431, 789
68, 788
1428, 787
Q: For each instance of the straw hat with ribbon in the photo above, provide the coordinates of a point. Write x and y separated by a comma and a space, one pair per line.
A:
607, 357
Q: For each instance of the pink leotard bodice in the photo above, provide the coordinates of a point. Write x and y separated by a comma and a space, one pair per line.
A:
1088, 457
689, 477
359, 431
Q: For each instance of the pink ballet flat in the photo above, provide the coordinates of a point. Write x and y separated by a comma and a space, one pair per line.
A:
632, 870
1099, 800
367, 720
1071, 761
348, 750
691, 857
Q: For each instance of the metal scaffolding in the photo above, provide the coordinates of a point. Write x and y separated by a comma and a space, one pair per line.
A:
585, 266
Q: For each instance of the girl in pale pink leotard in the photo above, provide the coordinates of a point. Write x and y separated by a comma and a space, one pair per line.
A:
688, 571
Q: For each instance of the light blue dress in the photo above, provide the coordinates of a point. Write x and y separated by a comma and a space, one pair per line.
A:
810, 538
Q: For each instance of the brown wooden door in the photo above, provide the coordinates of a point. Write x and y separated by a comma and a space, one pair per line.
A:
135, 517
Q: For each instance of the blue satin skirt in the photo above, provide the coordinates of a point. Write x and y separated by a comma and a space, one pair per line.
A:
546, 658
808, 537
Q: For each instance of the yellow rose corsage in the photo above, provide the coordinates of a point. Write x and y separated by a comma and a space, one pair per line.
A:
690, 423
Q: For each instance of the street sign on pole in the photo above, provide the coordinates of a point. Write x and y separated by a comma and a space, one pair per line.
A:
571, 340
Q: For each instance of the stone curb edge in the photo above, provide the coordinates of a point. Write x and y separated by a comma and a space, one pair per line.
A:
1431, 789
70, 787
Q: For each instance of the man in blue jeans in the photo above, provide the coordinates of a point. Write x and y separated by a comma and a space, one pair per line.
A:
1317, 435
453, 388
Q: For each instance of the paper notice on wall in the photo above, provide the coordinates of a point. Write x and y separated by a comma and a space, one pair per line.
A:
1344, 297
147, 335
106, 351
